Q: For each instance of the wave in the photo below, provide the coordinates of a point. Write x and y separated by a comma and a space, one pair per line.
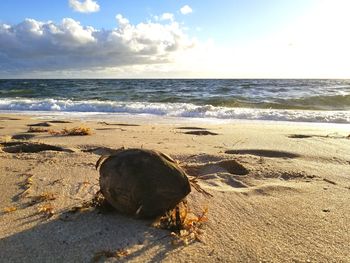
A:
173, 110
323, 102
334, 102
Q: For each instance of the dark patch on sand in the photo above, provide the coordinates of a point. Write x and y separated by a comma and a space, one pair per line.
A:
329, 181
23, 136
27, 147
59, 121
119, 124
329, 136
101, 150
40, 124
233, 167
108, 129
264, 153
201, 132
9, 119
190, 128
299, 136
37, 129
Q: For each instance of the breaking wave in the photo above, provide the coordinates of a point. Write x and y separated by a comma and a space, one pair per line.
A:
173, 110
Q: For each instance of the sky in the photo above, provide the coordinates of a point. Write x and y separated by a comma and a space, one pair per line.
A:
174, 39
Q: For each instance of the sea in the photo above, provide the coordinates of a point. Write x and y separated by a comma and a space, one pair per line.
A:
293, 100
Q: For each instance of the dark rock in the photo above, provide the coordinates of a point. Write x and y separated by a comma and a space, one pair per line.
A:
142, 182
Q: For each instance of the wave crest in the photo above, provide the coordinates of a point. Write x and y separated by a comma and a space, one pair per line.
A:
173, 110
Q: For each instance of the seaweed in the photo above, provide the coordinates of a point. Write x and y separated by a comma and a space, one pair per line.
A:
26, 185
119, 253
43, 197
76, 131
37, 129
9, 209
47, 210
185, 226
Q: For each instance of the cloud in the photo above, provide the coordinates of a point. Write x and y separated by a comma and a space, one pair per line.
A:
185, 10
87, 6
35, 45
167, 16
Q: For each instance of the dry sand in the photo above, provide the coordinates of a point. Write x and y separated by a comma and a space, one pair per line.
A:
281, 192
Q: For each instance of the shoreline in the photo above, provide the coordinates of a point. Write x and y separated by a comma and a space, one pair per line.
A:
291, 203
158, 119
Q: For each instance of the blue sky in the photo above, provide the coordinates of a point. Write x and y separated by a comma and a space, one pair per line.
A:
225, 20
238, 39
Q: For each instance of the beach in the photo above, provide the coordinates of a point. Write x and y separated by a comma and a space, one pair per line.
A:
280, 190
174, 131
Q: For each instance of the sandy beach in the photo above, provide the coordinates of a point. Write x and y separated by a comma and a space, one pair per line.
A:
280, 191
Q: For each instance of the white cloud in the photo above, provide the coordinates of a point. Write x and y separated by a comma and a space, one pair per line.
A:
167, 16
35, 45
85, 6
185, 10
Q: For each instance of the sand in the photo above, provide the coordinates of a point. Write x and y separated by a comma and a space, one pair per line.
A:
280, 191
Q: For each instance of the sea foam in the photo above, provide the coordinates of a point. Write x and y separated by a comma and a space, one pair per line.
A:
172, 110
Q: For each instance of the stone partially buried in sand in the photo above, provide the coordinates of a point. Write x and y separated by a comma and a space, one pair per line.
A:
142, 182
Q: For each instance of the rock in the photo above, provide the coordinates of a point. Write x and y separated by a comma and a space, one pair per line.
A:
142, 182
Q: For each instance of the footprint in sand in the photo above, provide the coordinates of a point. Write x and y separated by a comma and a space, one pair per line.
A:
230, 175
223, 176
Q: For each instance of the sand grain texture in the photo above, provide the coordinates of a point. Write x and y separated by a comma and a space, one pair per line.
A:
280, 193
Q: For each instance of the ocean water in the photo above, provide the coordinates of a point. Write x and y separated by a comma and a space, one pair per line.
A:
326, 101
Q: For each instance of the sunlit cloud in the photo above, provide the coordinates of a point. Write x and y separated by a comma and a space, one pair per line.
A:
312, 46
185, 10
36, 45
167, 16
85, 6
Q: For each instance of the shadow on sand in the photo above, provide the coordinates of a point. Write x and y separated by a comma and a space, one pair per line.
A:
78, 240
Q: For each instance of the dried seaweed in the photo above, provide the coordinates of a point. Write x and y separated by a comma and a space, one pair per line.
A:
47, 210
195, 185
119, 253
43, 197
5, 138
26, 185
184, 225
37, 129
9, 209
76, 131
